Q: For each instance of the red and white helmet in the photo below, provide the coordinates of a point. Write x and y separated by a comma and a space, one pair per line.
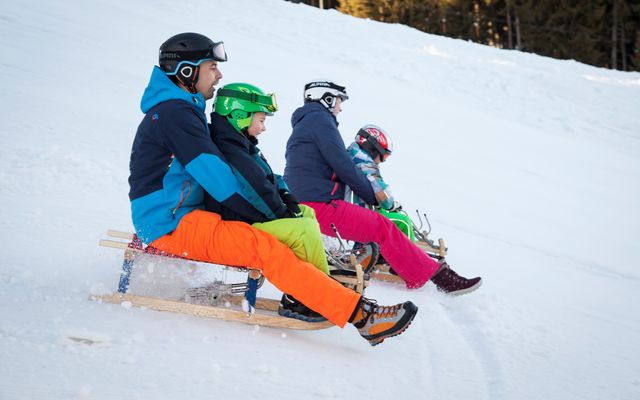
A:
374, 140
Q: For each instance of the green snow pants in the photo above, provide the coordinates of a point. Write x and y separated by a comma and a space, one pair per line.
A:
402, 221
302, 235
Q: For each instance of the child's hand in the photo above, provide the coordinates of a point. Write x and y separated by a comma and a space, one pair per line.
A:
395, 207
292, 203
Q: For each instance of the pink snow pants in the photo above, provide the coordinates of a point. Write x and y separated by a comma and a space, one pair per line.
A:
364, 225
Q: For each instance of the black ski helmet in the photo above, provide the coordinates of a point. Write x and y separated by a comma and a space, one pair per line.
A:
181, 55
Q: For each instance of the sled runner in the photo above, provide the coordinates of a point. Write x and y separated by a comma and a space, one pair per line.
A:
228, 314
227, 301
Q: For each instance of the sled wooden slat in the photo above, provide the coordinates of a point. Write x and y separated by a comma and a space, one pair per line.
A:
273, 321
120, 234
261, 302
387, 278
116, 245
440, 251
381, 273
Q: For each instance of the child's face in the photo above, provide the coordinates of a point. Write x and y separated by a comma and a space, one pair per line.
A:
382, 159
257, 124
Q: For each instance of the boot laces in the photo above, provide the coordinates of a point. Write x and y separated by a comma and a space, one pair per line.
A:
370, 308
387, 311
453, 275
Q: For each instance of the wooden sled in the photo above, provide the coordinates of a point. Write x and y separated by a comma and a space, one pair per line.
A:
264, 313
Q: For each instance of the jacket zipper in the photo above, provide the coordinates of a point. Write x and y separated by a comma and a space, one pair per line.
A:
185, 185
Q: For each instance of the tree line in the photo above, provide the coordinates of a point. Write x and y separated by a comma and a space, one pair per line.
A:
604, 33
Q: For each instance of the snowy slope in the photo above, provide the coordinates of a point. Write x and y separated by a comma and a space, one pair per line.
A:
528, 167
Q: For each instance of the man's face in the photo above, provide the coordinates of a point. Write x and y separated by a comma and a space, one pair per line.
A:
208, 78
337, 109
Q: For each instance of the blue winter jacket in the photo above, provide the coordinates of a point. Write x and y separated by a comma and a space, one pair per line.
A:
173, 161
258, 181
317, 163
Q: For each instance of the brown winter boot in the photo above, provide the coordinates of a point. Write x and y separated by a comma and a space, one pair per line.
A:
448, 281
376, 323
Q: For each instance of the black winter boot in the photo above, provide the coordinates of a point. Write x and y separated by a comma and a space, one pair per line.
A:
447, 281
290, 307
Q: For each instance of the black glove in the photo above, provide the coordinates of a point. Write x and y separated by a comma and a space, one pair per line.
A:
293, 206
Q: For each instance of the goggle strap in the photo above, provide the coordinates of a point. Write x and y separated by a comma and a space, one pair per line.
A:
367, 136
215, 52
266, 101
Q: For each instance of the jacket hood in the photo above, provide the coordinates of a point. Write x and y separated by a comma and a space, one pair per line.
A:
311, 107
161, 89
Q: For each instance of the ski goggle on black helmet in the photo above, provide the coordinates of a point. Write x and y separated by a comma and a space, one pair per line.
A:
324, 92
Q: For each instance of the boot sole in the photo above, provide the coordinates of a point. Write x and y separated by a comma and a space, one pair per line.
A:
467, 290
294, 315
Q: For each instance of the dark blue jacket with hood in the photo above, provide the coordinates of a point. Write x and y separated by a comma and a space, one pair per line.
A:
317, 163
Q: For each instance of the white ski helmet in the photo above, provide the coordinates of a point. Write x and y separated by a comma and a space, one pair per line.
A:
325, 93
374, 140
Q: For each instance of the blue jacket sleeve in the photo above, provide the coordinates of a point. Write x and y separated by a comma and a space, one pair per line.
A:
188, 138
261, 192
333, 150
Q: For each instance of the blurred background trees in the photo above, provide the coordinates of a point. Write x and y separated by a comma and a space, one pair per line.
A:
604, 33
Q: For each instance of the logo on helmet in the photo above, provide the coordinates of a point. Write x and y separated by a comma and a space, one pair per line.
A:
379, 136
316, 84
374, 141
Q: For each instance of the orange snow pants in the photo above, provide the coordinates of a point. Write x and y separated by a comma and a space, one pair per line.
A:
204, 236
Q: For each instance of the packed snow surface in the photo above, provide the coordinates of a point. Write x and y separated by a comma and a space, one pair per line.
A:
528, 167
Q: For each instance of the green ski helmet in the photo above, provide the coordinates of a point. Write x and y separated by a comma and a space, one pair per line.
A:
238, 102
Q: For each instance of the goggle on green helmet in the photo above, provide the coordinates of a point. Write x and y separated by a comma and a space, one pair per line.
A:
238, 102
